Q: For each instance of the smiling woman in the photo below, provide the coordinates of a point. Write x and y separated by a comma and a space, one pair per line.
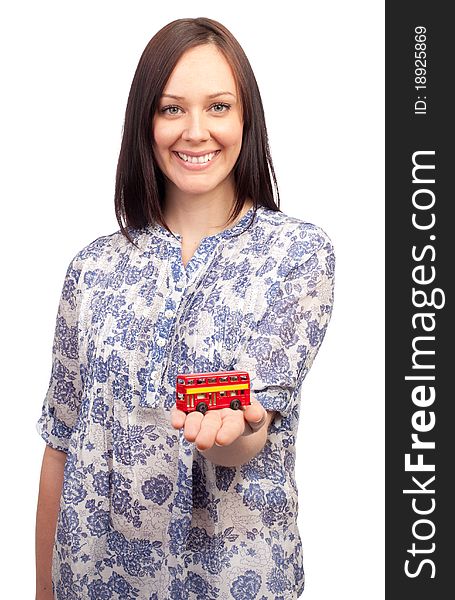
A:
193, 93
205, 274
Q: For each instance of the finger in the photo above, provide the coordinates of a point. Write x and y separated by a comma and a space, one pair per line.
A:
254, 424
178, 418
255, 414
208, 430
232, 427
193, 425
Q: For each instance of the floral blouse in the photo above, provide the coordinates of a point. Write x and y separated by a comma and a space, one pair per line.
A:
143, 514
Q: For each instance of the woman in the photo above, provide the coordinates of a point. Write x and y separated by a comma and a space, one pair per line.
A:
209, 275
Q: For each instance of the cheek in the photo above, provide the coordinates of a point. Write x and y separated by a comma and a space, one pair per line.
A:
160, 136
231, 136
165, 133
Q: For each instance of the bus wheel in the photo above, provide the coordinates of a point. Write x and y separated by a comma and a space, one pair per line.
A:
202, 407
235, 404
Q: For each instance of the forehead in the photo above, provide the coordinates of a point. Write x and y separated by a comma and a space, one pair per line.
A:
201, 70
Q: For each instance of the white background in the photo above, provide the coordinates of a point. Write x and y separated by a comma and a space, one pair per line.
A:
67, 69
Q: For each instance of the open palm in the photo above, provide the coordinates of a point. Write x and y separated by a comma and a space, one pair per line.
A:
221, 426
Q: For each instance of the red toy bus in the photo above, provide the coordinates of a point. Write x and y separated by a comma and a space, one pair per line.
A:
211, 391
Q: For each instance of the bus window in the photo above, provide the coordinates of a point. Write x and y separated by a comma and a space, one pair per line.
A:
180, 396
211, 380
233, 377
201, 380
223, 379
190, 382
222, 393
201, 396
181, 381
243, 377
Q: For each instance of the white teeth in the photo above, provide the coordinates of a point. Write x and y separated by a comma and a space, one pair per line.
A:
196, 159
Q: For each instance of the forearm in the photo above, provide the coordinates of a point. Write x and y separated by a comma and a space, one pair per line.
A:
50, 488
242, 450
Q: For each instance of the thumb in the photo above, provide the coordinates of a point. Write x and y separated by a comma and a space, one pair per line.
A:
256, 423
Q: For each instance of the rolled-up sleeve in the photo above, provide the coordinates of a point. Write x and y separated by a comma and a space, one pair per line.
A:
62, 400
288, 335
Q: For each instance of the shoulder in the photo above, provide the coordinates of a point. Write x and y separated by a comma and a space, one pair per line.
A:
97, 253
292, 227
102, 246
297, 240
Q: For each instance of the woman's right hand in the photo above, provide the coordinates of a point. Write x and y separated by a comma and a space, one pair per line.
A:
44, 595
50, 489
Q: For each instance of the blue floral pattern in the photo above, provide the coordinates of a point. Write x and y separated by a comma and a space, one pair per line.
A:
143, 515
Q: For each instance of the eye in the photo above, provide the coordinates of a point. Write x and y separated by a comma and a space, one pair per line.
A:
172, 110
221, 105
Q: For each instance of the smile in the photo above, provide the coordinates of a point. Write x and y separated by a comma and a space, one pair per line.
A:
197, 159
196, 162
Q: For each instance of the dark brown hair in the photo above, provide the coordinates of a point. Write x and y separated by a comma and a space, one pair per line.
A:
140, 184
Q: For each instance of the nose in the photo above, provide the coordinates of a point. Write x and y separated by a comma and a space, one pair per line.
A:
195, 129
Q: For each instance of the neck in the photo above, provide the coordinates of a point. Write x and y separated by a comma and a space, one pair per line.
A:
197, 216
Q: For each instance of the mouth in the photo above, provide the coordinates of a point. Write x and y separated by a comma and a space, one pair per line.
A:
196, 160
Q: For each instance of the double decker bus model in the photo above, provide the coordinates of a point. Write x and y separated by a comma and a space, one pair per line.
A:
211, 391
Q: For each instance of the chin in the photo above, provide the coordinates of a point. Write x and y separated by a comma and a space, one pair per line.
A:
197, 188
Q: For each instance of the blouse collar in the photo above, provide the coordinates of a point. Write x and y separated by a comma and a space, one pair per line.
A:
160, 231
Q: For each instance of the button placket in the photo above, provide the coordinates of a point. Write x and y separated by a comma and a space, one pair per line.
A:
187, 280
177, 296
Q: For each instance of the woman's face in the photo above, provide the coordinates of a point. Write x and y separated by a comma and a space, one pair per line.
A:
198, 115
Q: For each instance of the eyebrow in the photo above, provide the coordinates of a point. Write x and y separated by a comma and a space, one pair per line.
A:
215, 95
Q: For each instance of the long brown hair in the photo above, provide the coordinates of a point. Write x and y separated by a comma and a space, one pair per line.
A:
139, 185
